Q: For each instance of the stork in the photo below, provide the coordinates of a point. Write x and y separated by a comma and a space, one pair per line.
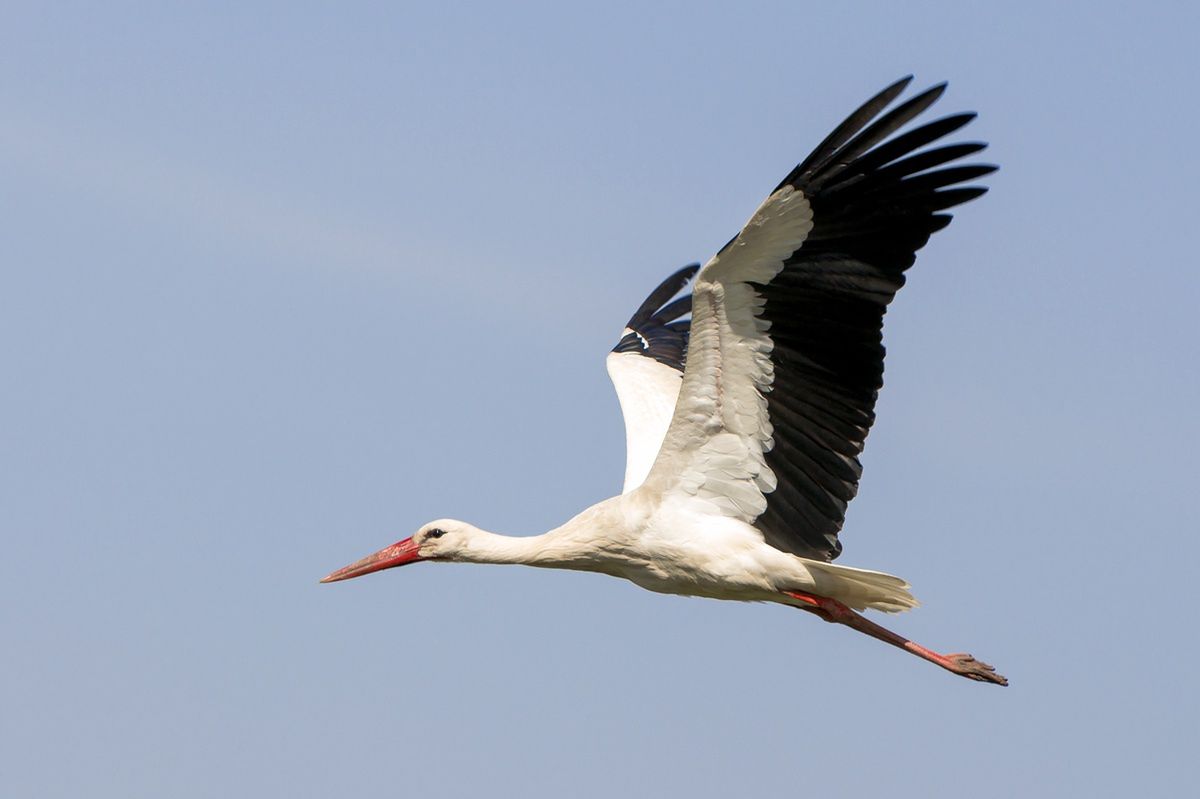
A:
744, 423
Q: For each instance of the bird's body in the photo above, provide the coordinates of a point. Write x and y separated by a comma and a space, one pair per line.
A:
674, 545
744, 423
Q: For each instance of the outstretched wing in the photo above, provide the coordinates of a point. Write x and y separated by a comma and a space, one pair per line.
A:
786, 358
646, 368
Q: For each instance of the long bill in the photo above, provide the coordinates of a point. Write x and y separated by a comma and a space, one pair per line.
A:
397, 554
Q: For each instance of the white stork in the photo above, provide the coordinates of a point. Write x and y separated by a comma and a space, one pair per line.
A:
744, 424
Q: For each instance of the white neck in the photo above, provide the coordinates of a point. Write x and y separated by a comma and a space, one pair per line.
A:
585, 542
549, 549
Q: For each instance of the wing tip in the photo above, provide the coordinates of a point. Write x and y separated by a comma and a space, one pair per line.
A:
662, 294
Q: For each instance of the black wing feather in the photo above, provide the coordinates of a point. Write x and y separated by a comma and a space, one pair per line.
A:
657, 329
875, 199
843, 132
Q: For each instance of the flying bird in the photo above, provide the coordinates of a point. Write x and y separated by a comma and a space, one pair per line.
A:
747, 402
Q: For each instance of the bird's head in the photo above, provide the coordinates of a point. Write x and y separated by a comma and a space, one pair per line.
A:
444, 539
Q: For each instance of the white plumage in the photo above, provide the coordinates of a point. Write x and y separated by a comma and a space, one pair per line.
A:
647, 391
740, 466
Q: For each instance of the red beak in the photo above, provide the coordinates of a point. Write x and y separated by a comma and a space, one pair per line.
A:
397, 554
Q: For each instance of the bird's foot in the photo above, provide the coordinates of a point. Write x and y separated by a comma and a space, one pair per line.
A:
967, 666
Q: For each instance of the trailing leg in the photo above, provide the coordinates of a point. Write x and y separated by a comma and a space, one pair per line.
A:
835, 612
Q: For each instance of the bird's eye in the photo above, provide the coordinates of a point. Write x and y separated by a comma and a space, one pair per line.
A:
435, 534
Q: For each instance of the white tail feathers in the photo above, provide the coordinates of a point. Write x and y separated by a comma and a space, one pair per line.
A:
860, 588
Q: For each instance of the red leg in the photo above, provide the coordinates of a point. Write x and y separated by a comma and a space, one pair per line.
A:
833, 611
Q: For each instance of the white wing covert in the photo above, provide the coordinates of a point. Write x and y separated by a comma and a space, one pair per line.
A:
785, 358
646, 368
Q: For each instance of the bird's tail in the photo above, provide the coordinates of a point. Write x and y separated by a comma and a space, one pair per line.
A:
861, 588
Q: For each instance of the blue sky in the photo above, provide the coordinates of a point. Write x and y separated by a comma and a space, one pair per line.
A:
281, 283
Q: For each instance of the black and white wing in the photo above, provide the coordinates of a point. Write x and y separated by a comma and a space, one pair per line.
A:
646, 368
785, 359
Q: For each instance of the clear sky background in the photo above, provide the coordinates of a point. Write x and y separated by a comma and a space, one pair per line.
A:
281, 283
